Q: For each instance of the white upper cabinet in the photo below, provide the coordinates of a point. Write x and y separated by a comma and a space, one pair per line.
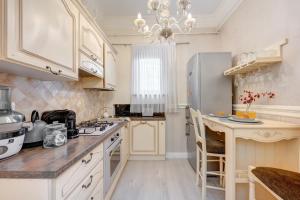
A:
110, 68
91, 43
42, 36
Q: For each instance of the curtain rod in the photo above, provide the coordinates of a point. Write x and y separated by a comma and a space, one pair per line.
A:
129, 44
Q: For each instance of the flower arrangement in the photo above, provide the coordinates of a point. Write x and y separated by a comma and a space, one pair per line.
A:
249, 97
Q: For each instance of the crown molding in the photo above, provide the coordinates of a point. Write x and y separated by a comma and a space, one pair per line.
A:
206, 24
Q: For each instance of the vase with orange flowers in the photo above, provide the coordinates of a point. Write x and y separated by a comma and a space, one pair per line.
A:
248, 98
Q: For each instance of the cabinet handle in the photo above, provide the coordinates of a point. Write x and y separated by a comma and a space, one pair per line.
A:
89, 160
53, 72
92, 198
89, 184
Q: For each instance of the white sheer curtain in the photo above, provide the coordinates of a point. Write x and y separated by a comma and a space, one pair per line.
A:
154, 86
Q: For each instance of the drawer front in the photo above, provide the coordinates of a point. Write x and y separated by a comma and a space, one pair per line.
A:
97, 194
91, 66
85, 189
73, 176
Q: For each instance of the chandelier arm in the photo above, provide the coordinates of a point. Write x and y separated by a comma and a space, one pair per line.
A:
175, 25
153, 28
174, 20
157, 16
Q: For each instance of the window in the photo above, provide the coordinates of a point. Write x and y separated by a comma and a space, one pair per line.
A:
150, 76
153, 87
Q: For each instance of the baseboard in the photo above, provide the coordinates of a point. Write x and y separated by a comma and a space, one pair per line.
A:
177, 155
146, 157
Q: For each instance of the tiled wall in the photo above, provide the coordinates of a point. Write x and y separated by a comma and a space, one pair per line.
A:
30, 94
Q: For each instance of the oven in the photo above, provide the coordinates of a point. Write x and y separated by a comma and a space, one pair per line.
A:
112, 159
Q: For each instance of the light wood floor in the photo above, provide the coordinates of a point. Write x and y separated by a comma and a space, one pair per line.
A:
160, 180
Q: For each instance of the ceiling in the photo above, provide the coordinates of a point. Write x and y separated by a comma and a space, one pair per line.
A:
116, 16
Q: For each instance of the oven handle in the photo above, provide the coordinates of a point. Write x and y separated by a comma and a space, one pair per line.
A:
119, 143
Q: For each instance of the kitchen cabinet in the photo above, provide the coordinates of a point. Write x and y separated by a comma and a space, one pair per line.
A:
91, 44
39, 38
125, 145
91, 48
147, 140
83, 180
110, 68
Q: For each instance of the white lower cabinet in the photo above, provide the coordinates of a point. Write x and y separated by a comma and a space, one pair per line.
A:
147, 139
84, 180
97, 194
125, 144
86, 187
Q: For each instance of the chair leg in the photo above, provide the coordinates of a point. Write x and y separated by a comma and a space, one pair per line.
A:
204, 176
198, 167
221, 170
251, 184
223, 167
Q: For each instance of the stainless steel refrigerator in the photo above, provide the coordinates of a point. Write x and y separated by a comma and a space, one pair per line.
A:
208, 90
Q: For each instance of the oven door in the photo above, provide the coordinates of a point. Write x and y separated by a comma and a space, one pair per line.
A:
112, 163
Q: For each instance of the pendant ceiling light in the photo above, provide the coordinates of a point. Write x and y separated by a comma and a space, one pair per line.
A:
166, 25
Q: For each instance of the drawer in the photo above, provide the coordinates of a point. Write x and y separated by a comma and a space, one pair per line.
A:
97, 194
86, 188
70, 179
91, 66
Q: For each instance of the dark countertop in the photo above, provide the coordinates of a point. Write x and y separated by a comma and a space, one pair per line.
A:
40, 163
148, 118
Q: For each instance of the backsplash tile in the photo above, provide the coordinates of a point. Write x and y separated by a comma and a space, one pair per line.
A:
31, 94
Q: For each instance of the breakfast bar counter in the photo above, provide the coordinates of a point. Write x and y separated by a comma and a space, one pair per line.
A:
40, 163
269, 143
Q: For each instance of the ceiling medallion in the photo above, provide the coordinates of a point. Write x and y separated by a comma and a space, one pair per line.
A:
165, 25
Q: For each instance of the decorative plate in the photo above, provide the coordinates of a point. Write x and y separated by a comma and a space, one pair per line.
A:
218, 116
236, 119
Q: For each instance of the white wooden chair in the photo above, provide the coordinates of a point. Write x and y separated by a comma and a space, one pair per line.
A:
281, 184
204, 156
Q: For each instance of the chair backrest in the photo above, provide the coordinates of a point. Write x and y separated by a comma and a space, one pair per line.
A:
199, 128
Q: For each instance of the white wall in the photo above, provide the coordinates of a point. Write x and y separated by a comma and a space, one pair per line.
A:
258, 24
175, 122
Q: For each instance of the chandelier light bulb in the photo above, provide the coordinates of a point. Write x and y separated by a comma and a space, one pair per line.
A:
154, 4
139, 21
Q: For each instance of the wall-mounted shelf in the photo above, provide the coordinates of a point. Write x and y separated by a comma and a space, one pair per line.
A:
259, 62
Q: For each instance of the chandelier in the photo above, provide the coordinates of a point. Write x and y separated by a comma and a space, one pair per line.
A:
166, 25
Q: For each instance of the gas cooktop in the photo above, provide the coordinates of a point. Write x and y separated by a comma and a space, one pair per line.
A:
95, 127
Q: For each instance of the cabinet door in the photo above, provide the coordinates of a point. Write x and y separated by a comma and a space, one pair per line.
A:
144, 138
43, 35
90, 41
110, 68
162, 138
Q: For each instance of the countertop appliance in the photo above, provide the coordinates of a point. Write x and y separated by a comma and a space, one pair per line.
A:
95, 127
34, 137
54, 135
208, 90
122, 110
12, 127
68, 117
112, 159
